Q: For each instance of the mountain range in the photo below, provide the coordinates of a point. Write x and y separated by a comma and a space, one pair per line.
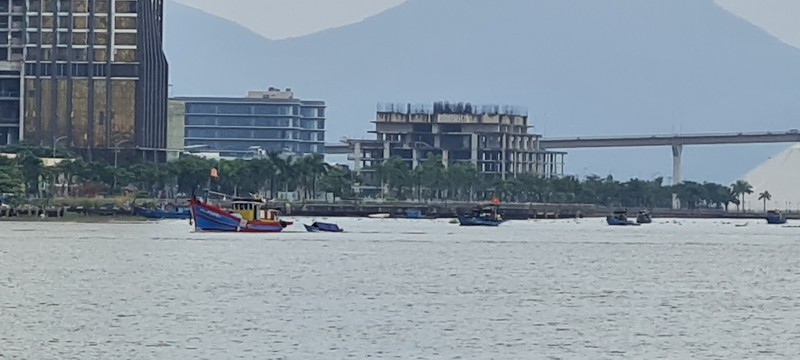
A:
583, 68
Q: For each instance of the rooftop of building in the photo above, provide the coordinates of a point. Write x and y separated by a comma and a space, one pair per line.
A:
271, 96
451, 108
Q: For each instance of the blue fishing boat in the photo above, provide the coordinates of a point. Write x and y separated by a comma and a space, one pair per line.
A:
167, 213
323, 227
247, 215
486, 216
619, 218
775, 217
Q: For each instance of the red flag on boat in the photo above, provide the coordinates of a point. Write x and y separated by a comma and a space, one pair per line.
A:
495, 200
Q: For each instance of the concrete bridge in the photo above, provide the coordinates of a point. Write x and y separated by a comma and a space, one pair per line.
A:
675, 141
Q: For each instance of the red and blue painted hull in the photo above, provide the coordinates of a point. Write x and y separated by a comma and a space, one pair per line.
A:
212, 218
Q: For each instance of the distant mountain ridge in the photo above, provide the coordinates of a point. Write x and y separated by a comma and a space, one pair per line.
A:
581, 67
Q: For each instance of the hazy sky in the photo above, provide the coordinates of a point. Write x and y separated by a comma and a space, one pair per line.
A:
278, 19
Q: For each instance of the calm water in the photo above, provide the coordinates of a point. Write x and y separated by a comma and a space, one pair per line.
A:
401, 289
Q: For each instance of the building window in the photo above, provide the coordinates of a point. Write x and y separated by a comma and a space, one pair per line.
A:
124, 22
100, 39
308, 112
80, 6
125, 38
47, 22
234, 109
125, 55
100, 55
79, 38
101, 22
272, 110
124, 70
80, 22
125, 6
101, 6
201, 108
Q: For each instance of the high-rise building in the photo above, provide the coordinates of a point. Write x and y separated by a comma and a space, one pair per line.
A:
272, 120
93, 74
494, 139
12, 45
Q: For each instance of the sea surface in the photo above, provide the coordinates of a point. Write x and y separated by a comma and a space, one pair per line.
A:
401, 289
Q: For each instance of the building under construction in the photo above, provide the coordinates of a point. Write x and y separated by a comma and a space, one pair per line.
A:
494, 139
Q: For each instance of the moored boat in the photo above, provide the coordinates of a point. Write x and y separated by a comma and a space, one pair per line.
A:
247, 215
413, 214
323, 227
644, 217
775, 217
485, 216
166, 213
379, 216
619, 218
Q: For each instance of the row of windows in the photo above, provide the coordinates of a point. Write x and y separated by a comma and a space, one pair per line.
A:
250, 109
194, 120
66, 22
73, 54
80, 38
82, 70
82, 6
254, 134
244, 147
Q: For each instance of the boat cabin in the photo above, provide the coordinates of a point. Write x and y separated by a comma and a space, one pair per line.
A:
488, 212
253, 209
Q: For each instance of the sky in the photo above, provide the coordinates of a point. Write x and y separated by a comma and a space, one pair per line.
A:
279, 19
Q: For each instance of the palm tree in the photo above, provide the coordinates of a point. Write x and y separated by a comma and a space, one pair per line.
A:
765, 196
742, 187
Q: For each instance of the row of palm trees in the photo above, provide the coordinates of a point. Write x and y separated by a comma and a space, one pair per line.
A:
268, 176
431, 181
308, 176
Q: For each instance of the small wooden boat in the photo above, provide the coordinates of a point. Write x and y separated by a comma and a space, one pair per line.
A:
379, 216
775, 217
485, 216
644, 217
247, 215
619, 218
323, 227
167, 213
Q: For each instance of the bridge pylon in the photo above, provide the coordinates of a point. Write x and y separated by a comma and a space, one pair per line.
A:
677, 153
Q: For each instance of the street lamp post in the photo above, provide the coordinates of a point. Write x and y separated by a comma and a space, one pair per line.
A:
116, 151
55, 143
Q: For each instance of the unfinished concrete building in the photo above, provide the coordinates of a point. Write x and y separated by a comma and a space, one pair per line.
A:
495, 139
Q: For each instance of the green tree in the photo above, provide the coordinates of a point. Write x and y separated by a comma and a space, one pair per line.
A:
337, 180
395, 174
742, 187
765, 196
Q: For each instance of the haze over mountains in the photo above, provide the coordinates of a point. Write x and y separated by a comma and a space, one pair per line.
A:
582, 68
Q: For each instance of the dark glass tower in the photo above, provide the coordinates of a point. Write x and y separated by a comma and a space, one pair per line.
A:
95, 76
